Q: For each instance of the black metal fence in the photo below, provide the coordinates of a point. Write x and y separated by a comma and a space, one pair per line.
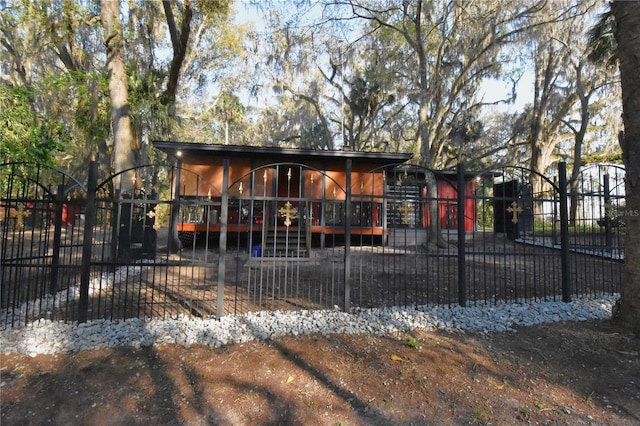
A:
161, 241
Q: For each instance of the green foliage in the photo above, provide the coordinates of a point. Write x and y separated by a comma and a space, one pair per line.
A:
525, 412
601, 40
55, 49
87, 112
413, 343
229, 106
313, 136
589, 399
613, 156
485, 209
213, 9
24, 136
480, 416
147, 109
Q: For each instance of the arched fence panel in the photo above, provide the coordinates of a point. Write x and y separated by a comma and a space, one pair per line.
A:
41, 222
407, 253
505, 236
153, 253
597, 226
133, 245
513, 254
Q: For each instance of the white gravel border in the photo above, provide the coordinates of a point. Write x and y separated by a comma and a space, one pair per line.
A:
49, 337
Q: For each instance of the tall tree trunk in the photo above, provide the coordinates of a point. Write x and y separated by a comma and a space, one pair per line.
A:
94, 141
179, 42
542, 144
627, 15
579, 135
434, 233
124, 142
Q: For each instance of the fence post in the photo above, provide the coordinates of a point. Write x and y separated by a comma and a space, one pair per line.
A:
87, 242
347, 239
462, 284
564, 232
224, 215
57, 237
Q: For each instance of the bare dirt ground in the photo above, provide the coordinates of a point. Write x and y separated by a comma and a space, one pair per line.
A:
564, 373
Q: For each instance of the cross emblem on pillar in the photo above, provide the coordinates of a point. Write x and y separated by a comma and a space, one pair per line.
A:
288, 211
514, 209
20, 214
406, 209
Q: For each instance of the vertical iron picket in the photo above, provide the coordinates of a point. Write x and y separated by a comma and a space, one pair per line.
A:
174, 240
462, 288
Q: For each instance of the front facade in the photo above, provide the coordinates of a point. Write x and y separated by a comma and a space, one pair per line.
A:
305, 191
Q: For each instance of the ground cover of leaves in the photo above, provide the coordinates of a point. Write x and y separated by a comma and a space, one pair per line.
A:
565, 373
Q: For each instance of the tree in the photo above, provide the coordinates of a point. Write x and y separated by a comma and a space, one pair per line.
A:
53, 63
369, 95
588, 84
291, 124
450, 47
627, 20
55, 53
230, 109
181, 56
569, 92
124, 148
289, 55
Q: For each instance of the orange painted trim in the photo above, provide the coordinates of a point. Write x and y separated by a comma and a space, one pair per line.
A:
330, 230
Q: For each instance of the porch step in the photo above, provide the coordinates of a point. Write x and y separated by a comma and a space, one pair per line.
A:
285, 244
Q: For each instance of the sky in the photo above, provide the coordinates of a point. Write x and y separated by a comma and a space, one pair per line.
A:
493, 90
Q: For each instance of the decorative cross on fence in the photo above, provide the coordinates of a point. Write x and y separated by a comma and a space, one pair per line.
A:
288, 211
20, 214
151, 214
406, 209
514, 209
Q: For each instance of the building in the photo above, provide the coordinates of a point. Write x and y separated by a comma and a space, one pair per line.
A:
305, 191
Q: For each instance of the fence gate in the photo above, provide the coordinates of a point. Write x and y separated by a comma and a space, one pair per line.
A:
284, 229
512, 254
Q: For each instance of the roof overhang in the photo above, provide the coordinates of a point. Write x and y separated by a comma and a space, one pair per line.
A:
197, 153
